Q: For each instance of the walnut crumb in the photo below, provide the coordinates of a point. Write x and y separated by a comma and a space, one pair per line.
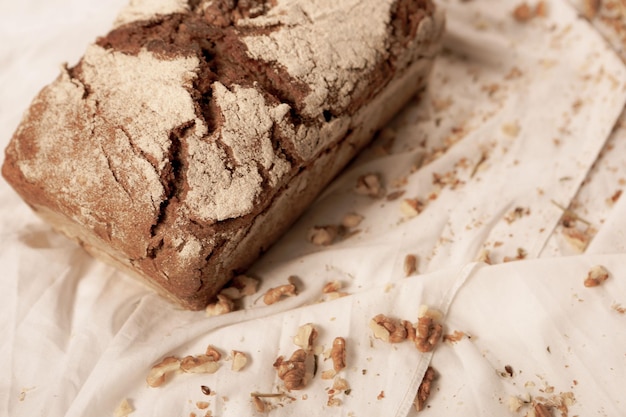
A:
332, 286
596, 276
297, 371
223, 305
158, 373
123, 409
411, 207
305, 337
240, 286
202, 405
524, 12
240, 360
338, 354
456, 336
429, 331
273, 295
410, 265
201, 364
325, 235
370, 185
388, 329
424, 389
351, 220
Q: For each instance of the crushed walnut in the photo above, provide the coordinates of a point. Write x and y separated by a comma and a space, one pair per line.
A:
325, 235
424, 389
223, 305
516, 213
351, 220
297, 371
305, 338
338, 354
524, 12
275, 294
456, 336
429, 331
370, 185
159, 372
240, 286
410, 265
388, 329
596, 276
411, 207
123, 409
240, 360
201, 364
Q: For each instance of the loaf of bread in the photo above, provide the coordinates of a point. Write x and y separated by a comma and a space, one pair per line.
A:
192, 135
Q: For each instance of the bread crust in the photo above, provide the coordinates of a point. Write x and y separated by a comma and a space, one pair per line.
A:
190, 137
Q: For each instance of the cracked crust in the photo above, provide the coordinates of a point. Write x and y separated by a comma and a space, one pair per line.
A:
192, 135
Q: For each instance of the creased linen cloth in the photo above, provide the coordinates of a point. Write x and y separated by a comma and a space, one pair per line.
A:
500, 146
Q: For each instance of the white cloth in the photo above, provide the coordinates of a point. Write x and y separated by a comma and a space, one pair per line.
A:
515, 117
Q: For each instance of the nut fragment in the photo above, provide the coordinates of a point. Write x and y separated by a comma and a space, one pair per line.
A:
259, 404
201, 364
387, 329
305, 337
411, 207
223, 305
351, 220
428, 333
541, 411
297, 371
523, 12
596, 276
240, 360
338, 354
157, 374
331, 287
410, 265
240, 286
423, 391
213, 353
274, 295
324, 235
123, 409
370, 185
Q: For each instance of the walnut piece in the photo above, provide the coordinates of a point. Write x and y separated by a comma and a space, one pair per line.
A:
428, 333
123, 409
332, 286
387, 329
297, 371
240, 360
305, 337
157, 374
324, 235
370, 185
423, 392
411, 207
201, 364
410, 265
596, 276
223, 305
351, 220
213, 353
240, 286
541, 411
338, 354
274, 295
